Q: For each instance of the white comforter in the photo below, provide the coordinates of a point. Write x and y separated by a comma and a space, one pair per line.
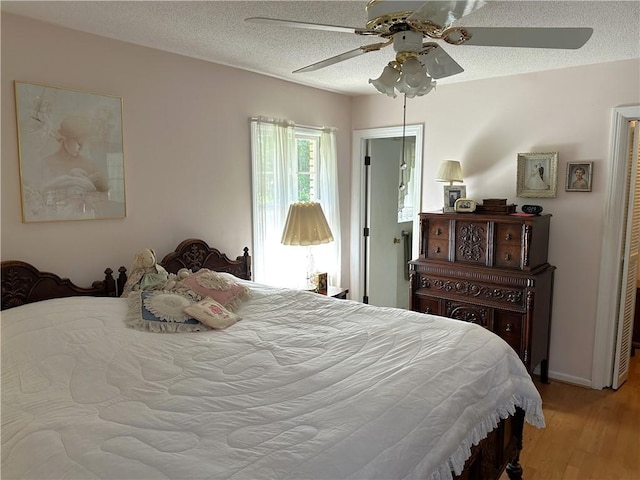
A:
304, 387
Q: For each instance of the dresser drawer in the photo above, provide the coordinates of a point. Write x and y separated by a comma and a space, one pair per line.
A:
468, 312
437, 249
473, 291
509, 233
508, 326
434, 241
439, 229
424, 304
507, 256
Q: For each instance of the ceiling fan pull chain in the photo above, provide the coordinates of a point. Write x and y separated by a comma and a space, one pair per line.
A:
403, 163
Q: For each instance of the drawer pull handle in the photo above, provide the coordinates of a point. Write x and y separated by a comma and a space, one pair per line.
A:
508, 328
437, 249
507, 256
438, 231
428, 310
508, 236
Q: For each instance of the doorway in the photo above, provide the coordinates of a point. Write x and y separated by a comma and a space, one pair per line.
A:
607, 338
382, 219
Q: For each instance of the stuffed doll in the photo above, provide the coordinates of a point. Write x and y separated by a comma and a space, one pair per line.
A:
145, 273
174, 281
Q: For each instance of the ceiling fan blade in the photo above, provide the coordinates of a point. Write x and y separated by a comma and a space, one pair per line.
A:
345, 56
568, 38
330, 61
438, 62
308, 25
444, 13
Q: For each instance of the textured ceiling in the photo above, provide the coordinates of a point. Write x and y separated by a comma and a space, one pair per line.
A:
217, 32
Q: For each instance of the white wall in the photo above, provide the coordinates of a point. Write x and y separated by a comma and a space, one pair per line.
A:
187, 156
485, 124
186, 146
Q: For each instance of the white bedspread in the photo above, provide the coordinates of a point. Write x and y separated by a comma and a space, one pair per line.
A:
304, 387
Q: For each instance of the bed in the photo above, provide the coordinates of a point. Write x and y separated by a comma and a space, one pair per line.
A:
304, 386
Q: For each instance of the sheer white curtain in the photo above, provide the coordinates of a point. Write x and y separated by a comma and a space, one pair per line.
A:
275, 187
273, 161
328, 254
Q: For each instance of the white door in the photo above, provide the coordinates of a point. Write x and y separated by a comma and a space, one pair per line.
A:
630, 265
386, 263
360, 210
613, 246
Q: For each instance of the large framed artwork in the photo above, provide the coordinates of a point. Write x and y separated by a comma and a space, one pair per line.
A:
537, 175
71, 154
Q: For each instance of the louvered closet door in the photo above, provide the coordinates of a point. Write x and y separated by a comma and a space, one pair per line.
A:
630, 268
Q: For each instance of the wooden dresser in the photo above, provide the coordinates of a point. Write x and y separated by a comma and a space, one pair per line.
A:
491, 270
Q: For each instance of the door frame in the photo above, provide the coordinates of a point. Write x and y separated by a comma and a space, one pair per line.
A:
359, 151
615, 218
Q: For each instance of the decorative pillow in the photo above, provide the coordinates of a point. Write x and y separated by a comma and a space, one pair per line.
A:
212, 314
161, 311
222, 289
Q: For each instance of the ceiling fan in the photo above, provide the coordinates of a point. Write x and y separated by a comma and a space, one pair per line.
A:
405, 24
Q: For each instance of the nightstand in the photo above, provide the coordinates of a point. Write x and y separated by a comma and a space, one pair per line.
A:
337, 292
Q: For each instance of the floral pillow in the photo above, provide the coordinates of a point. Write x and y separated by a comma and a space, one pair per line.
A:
220, 288
161, 311
212, 314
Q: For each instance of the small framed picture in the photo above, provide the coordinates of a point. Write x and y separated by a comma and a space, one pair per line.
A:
451, 194
579, 177
465, 205
537, 175
319, 280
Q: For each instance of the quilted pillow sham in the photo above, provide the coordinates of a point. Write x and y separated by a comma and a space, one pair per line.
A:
212, 314
161, 311
220, 288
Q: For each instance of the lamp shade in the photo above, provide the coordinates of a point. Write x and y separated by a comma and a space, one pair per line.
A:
449, 171
306, 225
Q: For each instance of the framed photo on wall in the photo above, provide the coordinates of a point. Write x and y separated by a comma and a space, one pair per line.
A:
579, 177
451, 194
537, 175
71, 154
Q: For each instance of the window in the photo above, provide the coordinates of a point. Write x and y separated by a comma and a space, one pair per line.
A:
291, 164
306, 151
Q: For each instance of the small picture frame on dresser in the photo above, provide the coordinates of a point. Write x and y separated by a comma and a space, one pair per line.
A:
451, 194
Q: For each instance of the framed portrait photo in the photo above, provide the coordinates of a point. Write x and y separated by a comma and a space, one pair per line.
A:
537, 175
71, 154
579, 177
451, 194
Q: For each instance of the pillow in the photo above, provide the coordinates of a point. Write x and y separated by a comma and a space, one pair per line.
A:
161, 311
212, 314
220, 288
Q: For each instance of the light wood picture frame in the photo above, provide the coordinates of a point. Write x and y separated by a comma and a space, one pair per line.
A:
70, 146
537, 175
579, 177
451, 194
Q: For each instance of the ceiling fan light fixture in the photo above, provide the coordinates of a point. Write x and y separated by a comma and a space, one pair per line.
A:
414, 80
386, 82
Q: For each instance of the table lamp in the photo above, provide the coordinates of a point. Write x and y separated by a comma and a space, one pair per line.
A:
306, 225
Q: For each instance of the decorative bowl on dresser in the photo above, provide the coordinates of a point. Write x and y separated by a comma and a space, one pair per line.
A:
491, 270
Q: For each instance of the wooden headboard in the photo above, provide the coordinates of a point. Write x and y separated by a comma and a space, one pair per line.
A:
195, 254
23, 283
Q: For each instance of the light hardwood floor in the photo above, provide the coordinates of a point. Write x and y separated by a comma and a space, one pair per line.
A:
590, 434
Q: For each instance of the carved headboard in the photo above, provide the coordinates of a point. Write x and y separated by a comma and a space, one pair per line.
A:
23, 283
195, 254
